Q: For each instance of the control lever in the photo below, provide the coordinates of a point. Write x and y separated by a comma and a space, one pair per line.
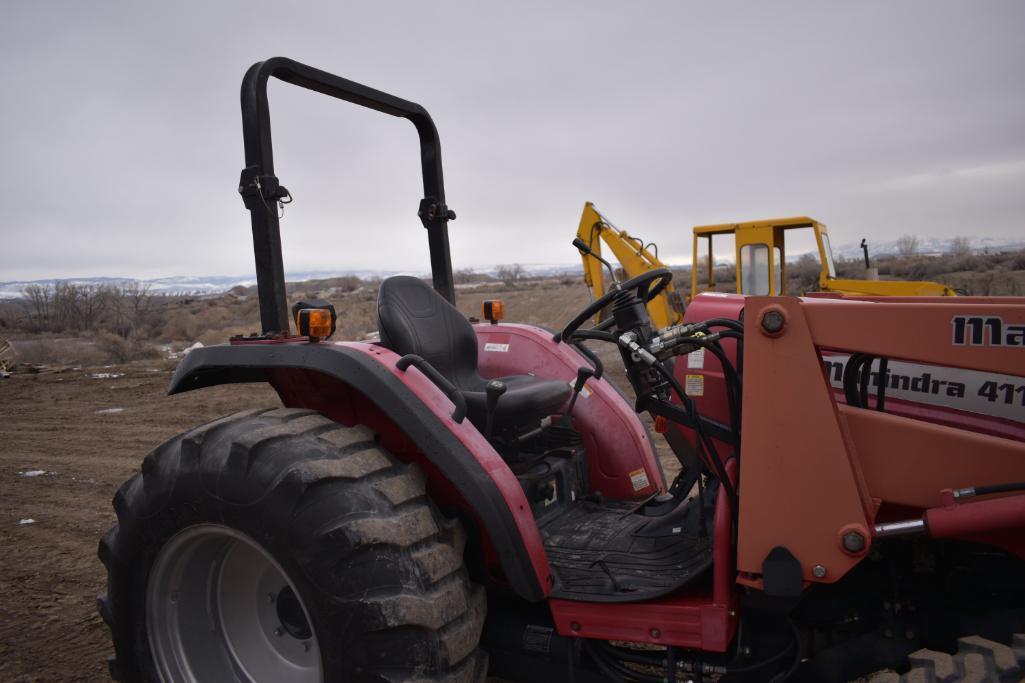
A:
583, 246
583, 374
493, 390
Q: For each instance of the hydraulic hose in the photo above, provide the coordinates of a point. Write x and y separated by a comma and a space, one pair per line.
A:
709, 447
713, 455
733, 382
734, 325
881, 387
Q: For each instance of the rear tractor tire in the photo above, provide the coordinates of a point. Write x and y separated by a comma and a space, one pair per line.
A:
278, 545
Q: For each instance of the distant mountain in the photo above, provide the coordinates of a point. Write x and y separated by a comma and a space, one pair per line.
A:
216, 284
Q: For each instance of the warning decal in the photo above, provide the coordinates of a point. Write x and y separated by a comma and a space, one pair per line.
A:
492, 346
696, 359
537, 638
695, 385
585, 390
639, 480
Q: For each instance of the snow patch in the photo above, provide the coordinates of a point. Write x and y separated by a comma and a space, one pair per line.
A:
175, 355
32, 473
110, 411
107, 375
26, 521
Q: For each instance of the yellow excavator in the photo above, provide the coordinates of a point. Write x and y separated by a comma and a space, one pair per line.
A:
759, 262
634, 256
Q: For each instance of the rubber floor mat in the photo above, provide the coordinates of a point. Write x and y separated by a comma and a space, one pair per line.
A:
608, 553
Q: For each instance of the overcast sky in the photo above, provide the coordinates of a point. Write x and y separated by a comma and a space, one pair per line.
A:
120, 135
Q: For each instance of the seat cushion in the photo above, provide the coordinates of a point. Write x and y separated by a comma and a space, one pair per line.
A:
413, 318
526, 398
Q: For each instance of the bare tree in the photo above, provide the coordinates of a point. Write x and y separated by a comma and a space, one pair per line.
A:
92, 301
79, 307
126, 306
510, 274
907, 245
465, 276
960, 246
40, 306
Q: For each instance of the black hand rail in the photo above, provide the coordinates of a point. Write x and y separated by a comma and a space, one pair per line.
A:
599, 368
439, 380
261, 190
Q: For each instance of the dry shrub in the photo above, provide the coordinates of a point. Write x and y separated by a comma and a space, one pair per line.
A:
120, 350
180, 325
117, 348
212, 318
37, 352
57, 352
1016, 261
143, 351
223, 334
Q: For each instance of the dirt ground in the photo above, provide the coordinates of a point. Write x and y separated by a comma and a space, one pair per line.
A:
87, 430
49, 573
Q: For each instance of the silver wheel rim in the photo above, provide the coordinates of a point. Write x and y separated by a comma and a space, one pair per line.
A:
220, 608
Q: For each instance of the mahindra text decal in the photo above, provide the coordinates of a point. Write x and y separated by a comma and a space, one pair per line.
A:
986, 331
985, 393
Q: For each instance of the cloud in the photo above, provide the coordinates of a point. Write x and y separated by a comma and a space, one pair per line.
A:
121, 131
940, 179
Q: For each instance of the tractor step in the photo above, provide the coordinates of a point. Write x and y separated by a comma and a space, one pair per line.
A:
608, 552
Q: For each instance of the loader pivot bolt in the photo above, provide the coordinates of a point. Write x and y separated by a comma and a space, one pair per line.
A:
853, 542
818, 571
772, 322
655, 633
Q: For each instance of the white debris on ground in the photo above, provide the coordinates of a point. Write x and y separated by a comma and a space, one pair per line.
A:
175, 355
109, 411
33, 473
107, 375
23, 522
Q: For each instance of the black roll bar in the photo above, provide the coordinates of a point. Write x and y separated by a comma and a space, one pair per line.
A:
261, 190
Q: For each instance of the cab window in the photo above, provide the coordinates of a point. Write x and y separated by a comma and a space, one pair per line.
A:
754, 269
830, 268
777, 270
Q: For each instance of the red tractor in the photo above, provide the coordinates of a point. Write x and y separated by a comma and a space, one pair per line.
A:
458, 500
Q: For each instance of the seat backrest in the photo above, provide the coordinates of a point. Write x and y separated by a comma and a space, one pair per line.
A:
413, 318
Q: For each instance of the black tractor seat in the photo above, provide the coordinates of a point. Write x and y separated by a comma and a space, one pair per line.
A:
413, 318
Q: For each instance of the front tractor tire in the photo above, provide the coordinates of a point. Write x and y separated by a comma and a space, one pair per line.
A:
278, 545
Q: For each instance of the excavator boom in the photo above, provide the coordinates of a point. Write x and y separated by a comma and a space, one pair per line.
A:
634, 256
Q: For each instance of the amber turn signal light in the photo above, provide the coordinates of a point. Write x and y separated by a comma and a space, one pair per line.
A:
493, 310
314, 323
314, 319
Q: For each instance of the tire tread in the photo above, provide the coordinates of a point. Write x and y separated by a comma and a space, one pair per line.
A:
356, 508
